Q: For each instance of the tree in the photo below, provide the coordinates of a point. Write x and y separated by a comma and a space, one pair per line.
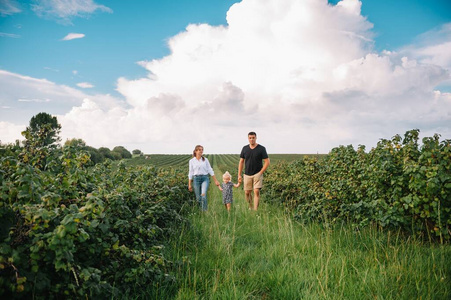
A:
79, 143
124, 153
96, 157
116, 155
106, 153
137, 152
44, 129
41, 138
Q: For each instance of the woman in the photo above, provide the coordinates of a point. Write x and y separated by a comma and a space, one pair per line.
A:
199, 169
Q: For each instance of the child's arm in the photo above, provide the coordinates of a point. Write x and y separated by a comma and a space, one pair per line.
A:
237, 184
220, 188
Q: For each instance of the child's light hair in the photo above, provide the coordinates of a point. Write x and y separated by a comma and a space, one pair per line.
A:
227, 175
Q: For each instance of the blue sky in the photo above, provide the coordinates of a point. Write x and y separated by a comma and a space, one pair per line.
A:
114, 40
236, 69
397, 23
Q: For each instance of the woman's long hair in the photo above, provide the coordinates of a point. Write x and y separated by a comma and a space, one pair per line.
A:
196, 148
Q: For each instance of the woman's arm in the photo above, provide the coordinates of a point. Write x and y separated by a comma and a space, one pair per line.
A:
216, 181
211, 172
190, 177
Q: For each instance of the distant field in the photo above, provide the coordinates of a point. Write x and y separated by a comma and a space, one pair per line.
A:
160, 160
291, 157
228, 161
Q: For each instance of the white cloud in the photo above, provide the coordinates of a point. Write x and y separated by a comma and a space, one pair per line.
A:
10, 35
51, 69
34, 100
64, 10
302, 74
302, 67
26, 96
73, 36
9, 7
432, 47
9, 132
85, 85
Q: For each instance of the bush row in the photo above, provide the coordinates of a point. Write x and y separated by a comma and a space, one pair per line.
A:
397, 184
70, 231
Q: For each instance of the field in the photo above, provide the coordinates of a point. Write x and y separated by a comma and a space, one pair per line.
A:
269, 255
181, 160
131, 229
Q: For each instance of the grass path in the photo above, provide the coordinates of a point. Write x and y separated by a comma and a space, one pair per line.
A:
266, 255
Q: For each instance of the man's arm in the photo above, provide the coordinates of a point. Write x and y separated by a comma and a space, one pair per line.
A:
240, 169
265, 165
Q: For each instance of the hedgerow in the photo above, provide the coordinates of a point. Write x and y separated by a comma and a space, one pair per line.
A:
71, 230
398, 184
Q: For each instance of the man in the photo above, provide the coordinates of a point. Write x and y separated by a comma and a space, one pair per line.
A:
252, 157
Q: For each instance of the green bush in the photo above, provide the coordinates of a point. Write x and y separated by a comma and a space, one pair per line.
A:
69, 230
397, 184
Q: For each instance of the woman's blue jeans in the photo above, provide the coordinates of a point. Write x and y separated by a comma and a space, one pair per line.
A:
201, 183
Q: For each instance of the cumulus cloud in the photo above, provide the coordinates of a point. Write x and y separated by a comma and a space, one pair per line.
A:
64, 10
73, 36
9, 132
302, 74
302, 67
433, 48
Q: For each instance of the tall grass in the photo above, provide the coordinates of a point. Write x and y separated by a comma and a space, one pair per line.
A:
266, 255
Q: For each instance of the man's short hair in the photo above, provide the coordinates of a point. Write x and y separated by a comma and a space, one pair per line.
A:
251, 133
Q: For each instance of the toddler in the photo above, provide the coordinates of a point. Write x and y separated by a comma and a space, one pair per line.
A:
227, 190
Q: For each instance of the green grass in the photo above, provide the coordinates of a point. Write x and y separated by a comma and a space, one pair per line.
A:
267, 255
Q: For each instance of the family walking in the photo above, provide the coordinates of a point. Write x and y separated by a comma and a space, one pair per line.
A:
253, 159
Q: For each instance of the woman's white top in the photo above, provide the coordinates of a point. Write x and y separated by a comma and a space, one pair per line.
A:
199, 167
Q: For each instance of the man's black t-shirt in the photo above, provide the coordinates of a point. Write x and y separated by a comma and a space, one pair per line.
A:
253, 159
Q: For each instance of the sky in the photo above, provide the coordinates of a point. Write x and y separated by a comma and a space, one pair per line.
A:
164, 76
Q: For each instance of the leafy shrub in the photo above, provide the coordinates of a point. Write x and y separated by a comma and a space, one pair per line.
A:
397, 184
70, 230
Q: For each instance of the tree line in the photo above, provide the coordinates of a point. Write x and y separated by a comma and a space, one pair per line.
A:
43, 133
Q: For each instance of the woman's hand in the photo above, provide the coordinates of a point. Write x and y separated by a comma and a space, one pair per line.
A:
217, 183
190, 188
